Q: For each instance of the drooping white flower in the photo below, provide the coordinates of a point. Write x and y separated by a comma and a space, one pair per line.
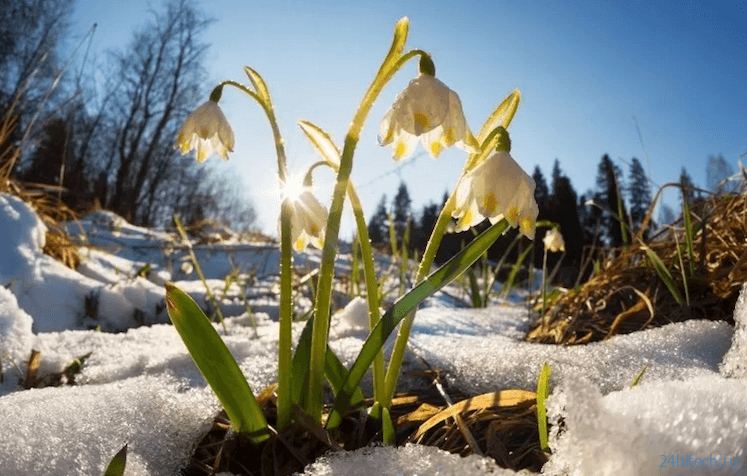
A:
553, 241
207, 131
308, 219
496, 188
428, 109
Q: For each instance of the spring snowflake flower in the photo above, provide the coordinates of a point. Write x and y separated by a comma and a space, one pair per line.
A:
428, 109
496, 188
553, 241
308, 220
207, 131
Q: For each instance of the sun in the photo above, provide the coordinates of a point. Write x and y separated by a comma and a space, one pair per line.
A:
292, 189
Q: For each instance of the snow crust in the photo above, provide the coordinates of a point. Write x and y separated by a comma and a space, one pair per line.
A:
140, 387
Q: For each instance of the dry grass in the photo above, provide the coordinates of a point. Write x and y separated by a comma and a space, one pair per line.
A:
627, 295
51, 211
504, 425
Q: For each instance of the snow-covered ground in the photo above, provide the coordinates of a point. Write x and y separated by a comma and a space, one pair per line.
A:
139, 386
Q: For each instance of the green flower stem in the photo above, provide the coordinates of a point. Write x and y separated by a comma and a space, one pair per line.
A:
285, 342
491, 133
369, 271
372, 288
270, 113
400, 345
391, 64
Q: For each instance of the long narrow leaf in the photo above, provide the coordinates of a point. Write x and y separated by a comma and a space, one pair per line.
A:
259, 84
509, 283
501, 116
322, 142
663, 273
117, 464
543, 390
334, 370
430, 285
216, 364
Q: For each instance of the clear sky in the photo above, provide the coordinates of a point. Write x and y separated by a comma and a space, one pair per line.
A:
585, 70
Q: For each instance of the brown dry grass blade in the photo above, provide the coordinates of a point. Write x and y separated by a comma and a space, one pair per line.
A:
503, 398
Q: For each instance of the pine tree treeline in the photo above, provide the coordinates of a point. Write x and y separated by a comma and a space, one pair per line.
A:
111, 143
585, 226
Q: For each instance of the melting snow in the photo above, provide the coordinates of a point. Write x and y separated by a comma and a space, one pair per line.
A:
139, 386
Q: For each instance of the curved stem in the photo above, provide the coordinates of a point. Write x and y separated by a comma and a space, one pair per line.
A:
270, 113
285, 343
389, 67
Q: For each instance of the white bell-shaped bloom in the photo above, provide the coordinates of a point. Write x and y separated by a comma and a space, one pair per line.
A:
428, 109
308, 220
207, 131
496, 188
553, 241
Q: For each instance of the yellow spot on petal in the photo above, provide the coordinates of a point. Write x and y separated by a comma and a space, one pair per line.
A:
527, 226
512, 215
489, 203
422, 121
436, 149
449, 137
466, 219
201, 155
299, 244
399, 150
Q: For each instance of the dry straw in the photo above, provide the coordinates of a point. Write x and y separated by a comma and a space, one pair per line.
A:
627, 294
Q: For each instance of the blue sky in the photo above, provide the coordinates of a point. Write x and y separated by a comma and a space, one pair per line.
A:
585, 69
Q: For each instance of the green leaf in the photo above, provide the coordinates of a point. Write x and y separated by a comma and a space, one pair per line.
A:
501, 116
387, 428
117, 464
334, 370
216, 364
509, 284
259, 84
322, 142
400, 309
474, 289
638, 377
663, 272
543, 390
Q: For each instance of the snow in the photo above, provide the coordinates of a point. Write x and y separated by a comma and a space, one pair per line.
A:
140, 387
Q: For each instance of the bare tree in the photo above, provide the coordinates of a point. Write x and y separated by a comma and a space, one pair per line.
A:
31, 32
161, 73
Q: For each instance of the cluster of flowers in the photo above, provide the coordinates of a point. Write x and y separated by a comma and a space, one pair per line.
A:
495, 188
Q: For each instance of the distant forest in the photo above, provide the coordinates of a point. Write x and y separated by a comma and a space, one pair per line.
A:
588, 222
99, 131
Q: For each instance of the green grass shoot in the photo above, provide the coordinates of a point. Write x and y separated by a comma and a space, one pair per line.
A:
543, 391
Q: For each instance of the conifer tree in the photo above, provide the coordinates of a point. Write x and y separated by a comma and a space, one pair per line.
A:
639, 194
401, 210
541, 191
608, 195
718, 171
688, 187
377, 224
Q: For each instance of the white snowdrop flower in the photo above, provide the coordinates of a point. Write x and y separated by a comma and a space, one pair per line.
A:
553, 241
186, 268
308, 219
207, 131
496, 188
428, 109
